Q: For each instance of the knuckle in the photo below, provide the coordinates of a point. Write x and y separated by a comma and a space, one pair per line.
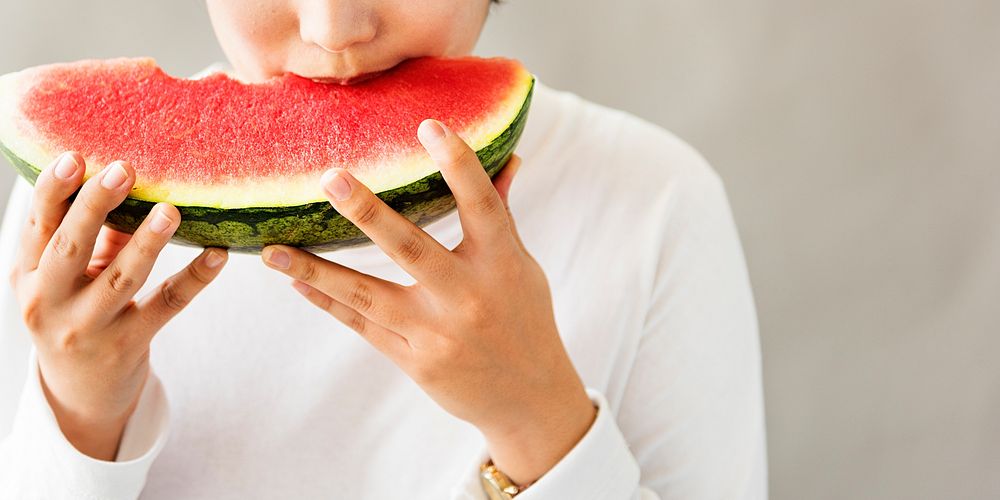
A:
146, 249
94, 203
360, 297
486, 204
32, 312
309, 271
68, 341
476, 311
172, 297
64, 246
40, 225
368, 213
200, 275
411, 250
462, 156
118, 280
358, 323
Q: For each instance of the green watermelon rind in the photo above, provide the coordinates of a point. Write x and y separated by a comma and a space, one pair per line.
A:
316, 227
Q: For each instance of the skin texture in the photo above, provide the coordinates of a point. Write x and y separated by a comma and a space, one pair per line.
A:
498, 362
75, 281
482, 343
338, 40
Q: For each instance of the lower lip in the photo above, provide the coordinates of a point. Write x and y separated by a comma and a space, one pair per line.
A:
349, 81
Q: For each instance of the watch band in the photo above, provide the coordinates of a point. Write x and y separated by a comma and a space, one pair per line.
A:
496, 484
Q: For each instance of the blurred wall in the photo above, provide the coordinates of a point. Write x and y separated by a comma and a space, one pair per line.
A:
860, 146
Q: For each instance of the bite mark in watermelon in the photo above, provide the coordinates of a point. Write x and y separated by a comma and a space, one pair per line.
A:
242, 162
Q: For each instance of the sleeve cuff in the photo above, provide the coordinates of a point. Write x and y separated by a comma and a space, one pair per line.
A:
81, 476
599, 467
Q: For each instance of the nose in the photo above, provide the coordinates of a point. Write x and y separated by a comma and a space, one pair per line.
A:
335, 25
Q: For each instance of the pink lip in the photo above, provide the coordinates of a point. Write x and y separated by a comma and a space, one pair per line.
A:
350, 80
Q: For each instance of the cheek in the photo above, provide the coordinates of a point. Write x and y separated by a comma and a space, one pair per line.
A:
253, 33
446, 27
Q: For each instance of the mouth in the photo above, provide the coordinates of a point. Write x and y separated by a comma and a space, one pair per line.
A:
353, 80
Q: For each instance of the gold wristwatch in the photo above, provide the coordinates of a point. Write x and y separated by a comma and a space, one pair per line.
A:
496, 484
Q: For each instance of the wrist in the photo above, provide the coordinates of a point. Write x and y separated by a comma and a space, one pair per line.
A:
530, 446
94, 430
97, 439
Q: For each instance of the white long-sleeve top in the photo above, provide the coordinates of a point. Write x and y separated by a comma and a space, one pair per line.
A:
255, 393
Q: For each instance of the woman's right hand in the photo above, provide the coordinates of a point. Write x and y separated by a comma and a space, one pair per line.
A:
91, 336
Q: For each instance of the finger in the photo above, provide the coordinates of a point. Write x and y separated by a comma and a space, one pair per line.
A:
50, 201
390, 343
72, 244
376, 299
176, 292
109, 243
479, 205
503, 181
117, 284
414, 250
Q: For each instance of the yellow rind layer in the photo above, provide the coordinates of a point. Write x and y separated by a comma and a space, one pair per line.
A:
21, 138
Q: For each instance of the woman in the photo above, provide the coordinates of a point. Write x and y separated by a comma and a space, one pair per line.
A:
589, 333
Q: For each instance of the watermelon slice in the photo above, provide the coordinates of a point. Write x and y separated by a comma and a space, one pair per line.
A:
241, 161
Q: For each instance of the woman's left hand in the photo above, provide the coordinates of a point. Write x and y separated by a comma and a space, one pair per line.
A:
477, 330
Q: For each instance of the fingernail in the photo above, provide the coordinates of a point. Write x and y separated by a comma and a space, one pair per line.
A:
279, 259
301, 287
335, 184
66, 167
114, 176
430, 131
160, 223
213, 259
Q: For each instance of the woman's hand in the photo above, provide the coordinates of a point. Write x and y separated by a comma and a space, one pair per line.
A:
476, 331
92, 338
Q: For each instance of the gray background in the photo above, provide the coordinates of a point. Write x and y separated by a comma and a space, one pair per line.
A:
859, 143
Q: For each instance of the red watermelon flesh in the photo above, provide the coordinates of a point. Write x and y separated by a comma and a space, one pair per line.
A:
220, 142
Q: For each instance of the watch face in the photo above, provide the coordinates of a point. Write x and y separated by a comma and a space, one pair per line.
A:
493, 491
